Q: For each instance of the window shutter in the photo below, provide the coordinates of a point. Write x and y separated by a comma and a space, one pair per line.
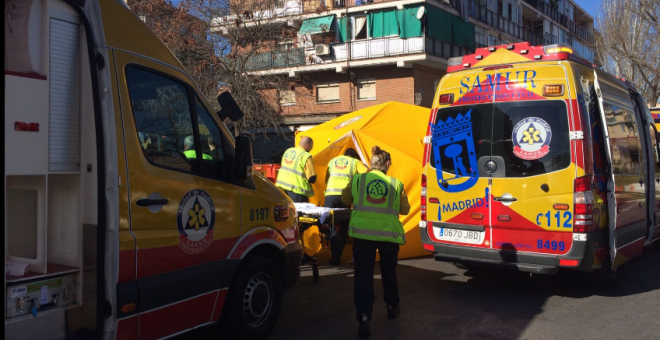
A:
64, 79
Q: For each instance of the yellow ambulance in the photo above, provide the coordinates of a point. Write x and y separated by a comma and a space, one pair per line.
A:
131, 210
537, 160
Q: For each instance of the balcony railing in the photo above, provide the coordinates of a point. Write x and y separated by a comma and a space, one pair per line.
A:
356, 50
276, 59
483, 14
581, 32
562, 19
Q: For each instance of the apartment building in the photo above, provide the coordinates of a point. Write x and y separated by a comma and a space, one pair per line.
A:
350, 54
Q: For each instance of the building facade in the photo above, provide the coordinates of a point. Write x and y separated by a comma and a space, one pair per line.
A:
350, 54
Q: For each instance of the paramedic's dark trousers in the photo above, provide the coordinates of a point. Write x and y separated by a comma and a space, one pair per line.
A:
336, 245
364, 253
297, 198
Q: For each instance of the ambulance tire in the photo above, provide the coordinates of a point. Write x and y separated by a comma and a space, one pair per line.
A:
606, 277
254, 300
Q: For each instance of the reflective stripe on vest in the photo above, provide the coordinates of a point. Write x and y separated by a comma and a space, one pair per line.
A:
376, 210
293, 178
293, 188
339, 178
377, 233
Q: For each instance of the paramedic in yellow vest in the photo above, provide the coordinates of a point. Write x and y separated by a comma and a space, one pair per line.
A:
340, 171
189, 149
377, 201
297, 173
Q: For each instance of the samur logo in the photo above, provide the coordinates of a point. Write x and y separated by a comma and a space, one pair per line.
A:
289, 156
341, 163
531, 138
377, 191
196, 218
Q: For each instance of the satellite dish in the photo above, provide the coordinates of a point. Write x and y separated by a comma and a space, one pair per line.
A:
420, 13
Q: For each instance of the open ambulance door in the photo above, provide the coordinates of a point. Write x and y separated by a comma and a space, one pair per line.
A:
625, 186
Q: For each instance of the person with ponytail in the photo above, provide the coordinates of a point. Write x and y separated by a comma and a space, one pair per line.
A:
377, 201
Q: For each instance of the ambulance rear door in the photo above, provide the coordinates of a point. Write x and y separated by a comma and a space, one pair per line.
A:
627, 204
531, 170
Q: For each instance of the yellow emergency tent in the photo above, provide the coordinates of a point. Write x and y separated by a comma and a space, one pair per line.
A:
398, 129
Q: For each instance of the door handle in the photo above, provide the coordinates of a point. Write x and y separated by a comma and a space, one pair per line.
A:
145, 202
505, 199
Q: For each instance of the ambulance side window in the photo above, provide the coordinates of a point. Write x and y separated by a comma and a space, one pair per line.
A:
213, 144
624, 140
162, 117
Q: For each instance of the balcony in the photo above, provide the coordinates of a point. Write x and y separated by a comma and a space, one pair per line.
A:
562, 19
354, 51
549, 11
276, 59
496, 20
581, 32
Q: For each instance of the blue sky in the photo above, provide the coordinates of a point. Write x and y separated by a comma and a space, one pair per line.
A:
591, 6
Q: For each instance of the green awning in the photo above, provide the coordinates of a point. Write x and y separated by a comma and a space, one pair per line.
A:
449, 28
383, 24
342, 27
409, 25
317, 25
439, 24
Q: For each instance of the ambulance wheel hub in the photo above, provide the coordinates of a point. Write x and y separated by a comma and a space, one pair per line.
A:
257, 299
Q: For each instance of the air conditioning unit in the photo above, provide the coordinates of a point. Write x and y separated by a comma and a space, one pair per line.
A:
322, 49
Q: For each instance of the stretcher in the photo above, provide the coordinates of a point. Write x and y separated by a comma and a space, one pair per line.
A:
324, 218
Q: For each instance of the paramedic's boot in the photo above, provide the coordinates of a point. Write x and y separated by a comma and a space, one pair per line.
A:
364, 330
393, 311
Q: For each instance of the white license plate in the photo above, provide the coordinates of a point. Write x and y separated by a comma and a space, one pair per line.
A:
458, 235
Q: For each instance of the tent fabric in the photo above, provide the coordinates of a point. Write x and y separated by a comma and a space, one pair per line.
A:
342, 27
409, 25
317, 25
398, 129
383, 24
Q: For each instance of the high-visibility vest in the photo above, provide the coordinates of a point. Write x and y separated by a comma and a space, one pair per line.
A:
193, 154
341, 169
376, 202
292, 173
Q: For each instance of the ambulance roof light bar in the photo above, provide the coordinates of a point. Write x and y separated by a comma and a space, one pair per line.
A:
554, 52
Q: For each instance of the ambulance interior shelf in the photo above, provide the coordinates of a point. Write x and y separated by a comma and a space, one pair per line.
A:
310, 215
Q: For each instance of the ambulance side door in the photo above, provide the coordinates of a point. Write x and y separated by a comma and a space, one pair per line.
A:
184, 214
626, 189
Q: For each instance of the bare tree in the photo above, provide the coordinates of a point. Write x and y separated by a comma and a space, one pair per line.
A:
630, 43
229, 45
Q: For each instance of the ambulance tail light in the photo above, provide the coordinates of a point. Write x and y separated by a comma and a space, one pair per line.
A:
281, 213
292, 234
423, 199
583, 205
446, 98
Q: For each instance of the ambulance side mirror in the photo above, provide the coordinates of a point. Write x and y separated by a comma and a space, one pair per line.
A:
242, 168
229, 107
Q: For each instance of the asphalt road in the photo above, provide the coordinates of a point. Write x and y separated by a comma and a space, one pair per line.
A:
440, 301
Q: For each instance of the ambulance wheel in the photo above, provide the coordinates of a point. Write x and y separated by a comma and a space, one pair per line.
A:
606, 277
254, 299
